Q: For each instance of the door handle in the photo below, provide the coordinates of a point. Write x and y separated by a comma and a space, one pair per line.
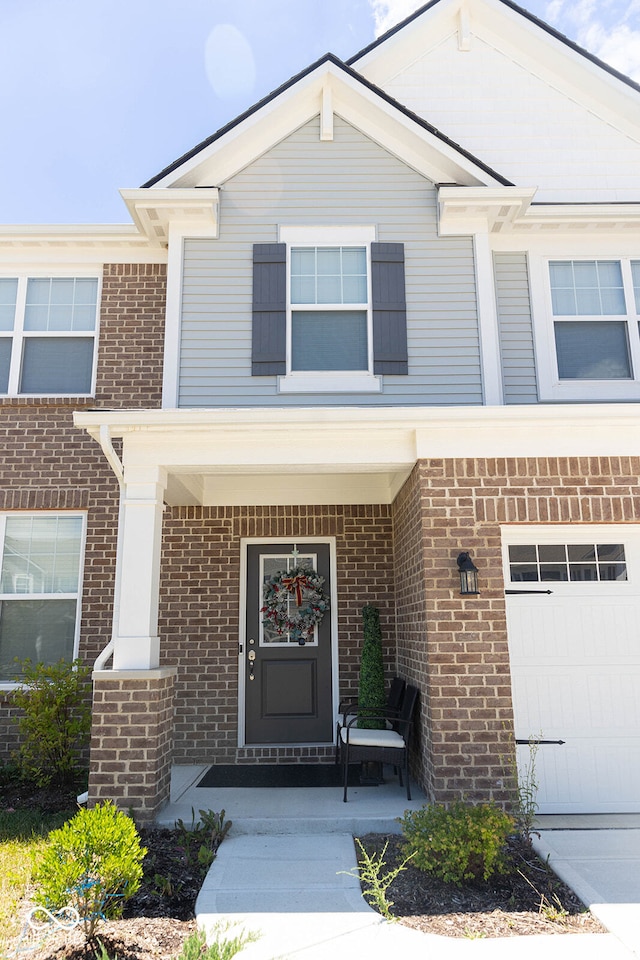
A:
252, 657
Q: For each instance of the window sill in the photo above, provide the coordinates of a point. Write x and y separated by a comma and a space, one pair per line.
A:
329, 383
591, 391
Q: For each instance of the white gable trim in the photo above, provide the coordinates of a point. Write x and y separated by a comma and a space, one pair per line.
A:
329, 87
556, 61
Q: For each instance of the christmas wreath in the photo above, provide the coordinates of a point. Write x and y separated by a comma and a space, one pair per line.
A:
305, 586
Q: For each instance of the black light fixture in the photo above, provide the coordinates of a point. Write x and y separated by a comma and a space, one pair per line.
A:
468, 575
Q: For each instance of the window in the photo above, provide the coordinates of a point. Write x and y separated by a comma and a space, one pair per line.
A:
40, 566
595, 308
329, 308
567, 562
47, 335
329, 311
272, 565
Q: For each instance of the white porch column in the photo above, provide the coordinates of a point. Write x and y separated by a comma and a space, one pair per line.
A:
135, 634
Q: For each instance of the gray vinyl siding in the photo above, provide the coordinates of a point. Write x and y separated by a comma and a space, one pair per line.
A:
516, 328
307, 181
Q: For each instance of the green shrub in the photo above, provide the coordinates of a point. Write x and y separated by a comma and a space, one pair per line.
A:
371, 695
222, 948
93, 863
56, 721
462, 843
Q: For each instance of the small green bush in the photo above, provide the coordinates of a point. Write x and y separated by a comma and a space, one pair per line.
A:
93, 863
460, 844
56, 721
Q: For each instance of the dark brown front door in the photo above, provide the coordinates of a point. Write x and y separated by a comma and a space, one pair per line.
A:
288, 696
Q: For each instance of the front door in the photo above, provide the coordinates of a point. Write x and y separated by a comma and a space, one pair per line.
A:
288, 685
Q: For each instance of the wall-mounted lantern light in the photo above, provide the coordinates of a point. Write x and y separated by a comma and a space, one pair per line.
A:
468, 575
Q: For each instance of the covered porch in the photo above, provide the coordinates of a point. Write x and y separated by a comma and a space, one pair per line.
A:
390, 498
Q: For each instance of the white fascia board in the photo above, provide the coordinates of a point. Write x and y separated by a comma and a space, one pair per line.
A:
362, 439
156, 210
352, 100
61, 243
515, 36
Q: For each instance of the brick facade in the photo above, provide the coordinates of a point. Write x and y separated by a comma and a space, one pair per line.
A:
131, 741
455, 648
199, 607
47, 464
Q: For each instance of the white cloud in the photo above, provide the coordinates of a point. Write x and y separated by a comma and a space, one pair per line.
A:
387, 13
608, 29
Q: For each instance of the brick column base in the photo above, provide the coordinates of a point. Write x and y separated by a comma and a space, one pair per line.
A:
131, 740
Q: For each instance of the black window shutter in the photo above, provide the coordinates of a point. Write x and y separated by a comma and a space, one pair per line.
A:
269, 329
389, 309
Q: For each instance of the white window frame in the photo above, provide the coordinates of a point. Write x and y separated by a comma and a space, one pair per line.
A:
331, 381
77, 596
550, 386
18, 335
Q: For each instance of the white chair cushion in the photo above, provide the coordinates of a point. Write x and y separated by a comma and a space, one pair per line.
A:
372, 738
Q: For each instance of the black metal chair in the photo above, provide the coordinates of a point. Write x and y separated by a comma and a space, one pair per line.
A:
348, 709
386, 746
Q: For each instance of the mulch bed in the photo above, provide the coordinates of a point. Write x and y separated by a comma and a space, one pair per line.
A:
160, 917
529, 900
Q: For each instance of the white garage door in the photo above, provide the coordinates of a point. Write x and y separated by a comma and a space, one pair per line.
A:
573, 615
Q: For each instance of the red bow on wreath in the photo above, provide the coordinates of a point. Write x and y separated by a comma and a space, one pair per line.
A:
297, 583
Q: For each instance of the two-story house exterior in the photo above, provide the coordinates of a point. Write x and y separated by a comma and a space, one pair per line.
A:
388, 315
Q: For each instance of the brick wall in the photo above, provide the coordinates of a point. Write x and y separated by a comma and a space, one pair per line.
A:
200, 609
131, 742
47, 464
455, 647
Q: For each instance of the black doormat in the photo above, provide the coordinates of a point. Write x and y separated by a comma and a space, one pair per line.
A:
279, 775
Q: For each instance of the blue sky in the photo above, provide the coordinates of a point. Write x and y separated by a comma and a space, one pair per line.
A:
101, 94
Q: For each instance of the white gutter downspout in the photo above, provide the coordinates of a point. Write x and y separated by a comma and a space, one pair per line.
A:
116, 465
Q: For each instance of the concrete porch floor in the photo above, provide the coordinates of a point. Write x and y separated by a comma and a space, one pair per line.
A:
305, 810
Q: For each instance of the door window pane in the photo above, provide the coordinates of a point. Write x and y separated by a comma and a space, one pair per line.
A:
272, 567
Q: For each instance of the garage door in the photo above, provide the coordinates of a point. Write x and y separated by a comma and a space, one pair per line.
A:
573, 615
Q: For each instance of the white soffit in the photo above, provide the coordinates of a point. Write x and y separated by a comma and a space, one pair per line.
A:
386, 124
467, 210
154, 210
534, 48
65, 243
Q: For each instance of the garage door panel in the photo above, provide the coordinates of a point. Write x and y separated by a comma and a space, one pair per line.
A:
574, 629
575, 668
586, 777
552, 702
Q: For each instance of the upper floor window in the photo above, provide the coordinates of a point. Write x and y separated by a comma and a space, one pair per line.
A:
329, 309
586, 314
47, 335
40, 565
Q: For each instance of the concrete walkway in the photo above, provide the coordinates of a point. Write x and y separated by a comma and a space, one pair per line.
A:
285, 870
